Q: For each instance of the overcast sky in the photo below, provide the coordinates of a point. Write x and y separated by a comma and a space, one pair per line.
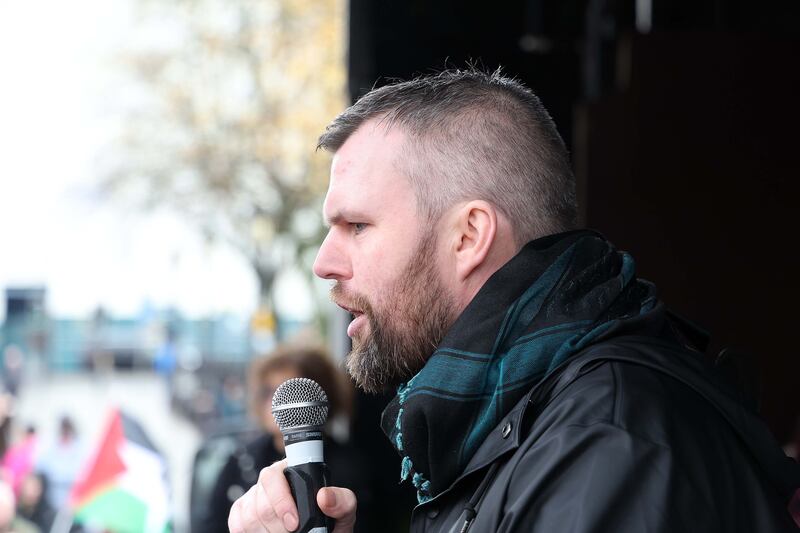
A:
57, 114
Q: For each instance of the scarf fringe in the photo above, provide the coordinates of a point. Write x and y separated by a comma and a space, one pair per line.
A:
405, 468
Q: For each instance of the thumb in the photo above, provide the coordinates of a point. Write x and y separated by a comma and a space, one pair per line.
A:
340, 504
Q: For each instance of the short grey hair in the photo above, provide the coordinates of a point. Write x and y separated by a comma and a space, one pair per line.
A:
473, 135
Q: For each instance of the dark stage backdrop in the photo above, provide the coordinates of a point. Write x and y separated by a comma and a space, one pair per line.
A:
684, 141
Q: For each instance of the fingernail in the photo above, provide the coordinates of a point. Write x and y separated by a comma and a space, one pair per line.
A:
290, 521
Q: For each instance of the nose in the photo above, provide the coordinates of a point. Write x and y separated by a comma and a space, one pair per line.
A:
332, 261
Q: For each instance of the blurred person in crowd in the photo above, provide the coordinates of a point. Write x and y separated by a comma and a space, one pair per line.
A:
31, 503
243, 466
6, 411
18, 460
60, 463
13, 361
9, 521
165, 360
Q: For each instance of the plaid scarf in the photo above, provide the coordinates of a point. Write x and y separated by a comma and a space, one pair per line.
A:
550, 301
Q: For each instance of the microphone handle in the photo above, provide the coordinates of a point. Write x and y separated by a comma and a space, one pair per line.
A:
305, 480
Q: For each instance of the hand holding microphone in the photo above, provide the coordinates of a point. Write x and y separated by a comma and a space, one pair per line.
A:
287, 496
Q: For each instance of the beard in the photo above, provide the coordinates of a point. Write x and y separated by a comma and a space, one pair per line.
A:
404, 333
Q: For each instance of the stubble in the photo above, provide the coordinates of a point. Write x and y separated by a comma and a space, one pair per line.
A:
414, 316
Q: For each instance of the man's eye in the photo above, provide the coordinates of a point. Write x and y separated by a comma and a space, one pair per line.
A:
358, 227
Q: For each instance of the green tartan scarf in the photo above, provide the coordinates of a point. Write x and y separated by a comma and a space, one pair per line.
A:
550, 301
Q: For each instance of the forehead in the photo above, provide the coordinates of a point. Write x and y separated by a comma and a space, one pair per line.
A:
365, 174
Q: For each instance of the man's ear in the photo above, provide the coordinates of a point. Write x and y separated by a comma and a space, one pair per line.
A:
476, 228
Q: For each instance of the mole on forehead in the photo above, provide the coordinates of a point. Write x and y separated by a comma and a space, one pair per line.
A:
342, 164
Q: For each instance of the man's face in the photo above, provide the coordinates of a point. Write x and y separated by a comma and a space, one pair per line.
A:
383, 258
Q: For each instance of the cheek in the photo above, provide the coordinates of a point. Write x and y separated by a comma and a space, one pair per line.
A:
380, 259
372, 265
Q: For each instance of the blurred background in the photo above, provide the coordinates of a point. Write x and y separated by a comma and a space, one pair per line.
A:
160, 207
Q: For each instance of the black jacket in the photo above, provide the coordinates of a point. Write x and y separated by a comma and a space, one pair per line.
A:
239, 474
634, 434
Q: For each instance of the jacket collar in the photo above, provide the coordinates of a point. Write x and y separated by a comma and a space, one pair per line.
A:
501, 440
508, 434
661, 354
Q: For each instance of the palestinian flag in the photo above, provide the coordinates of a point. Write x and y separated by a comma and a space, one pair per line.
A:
124, 488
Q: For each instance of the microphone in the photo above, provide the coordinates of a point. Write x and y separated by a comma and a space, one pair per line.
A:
300, 408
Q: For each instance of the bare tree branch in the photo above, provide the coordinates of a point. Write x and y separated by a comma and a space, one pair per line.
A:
226, 130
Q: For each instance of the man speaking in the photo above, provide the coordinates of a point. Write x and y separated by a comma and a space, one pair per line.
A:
541, 386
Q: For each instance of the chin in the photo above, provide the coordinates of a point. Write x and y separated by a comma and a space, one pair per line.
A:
375, 376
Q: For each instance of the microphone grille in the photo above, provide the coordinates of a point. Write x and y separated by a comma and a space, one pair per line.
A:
299, 402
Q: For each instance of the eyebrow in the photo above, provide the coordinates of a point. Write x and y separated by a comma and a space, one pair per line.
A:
345, 214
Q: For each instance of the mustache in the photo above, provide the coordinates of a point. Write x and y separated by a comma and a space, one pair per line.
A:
353, 302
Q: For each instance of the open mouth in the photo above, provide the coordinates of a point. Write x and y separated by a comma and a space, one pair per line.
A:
356, 324
358, 319
356, 310
352, 311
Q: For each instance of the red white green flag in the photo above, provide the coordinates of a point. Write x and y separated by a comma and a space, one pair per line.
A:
124, 488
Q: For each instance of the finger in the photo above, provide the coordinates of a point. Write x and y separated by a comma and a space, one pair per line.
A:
234, 518
273, 481
249, 518
265, 512
340, 504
